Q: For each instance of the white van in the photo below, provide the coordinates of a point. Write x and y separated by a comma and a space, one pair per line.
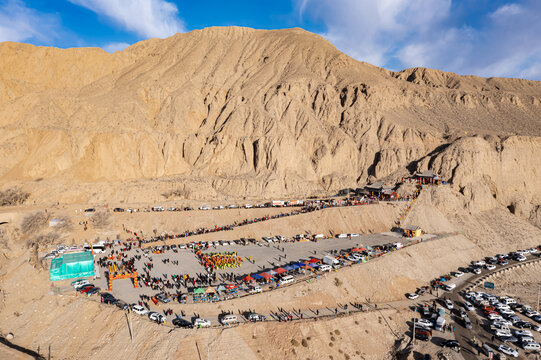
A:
531, 346
325, 267
229, 319
508, 301
286, 280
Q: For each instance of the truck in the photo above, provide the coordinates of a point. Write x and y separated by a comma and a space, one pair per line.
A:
277, 203
330, 260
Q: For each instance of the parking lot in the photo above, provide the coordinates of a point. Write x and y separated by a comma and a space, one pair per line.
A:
498, 323
257, 258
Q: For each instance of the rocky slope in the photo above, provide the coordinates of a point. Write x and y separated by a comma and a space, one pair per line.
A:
241, 112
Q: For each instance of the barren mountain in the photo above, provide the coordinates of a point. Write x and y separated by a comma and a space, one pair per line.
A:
240, 112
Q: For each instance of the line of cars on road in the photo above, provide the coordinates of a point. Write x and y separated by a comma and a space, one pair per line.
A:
502, 314
84, 286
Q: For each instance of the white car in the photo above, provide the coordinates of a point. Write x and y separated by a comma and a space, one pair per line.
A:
502, 332
536, 328
531, 346
458, 273
139, 310
501, 306
508, 351
523, 333
255, 290
412, 296
200, 322
531, 313
506, 311
494, 317
468, 306
449, 304
157, 317
520, 258
490, 267
424, 322
476, 271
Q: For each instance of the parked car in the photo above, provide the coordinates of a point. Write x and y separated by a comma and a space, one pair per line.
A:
523, 333
256, 317
86, 288
508, 350
422, 337
449, 304
424, 322
139, 310
458, 273
161, 297
183, 323
531, 346
468, 306
107, 298
93, 291
157, 317
453, 344
412, 296
200, 322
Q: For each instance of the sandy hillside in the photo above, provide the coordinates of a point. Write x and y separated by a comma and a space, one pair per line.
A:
236, 112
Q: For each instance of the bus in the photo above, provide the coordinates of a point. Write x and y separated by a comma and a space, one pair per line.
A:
97, 248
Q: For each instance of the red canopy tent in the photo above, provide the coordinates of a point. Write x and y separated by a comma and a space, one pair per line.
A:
247, 278
358, 249
279, 270
232, 286
313, 260
266, 276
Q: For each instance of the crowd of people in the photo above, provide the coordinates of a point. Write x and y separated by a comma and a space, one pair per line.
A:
219, 261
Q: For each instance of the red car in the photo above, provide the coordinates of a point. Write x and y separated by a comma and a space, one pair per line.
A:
86, 288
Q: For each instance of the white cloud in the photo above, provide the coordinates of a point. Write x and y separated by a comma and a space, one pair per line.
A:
20, 23
507, 10
369, 30
146, 18
408, 33
115, 46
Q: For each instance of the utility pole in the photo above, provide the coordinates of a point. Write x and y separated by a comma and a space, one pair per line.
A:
538, 289
414, 331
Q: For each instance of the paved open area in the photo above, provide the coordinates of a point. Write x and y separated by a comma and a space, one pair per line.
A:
256, 258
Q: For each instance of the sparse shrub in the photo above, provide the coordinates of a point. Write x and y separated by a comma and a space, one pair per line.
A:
294, 342
65, 224
304, 343
176, 193
337, 282
12, 197
337, 332
101, 219
33, 222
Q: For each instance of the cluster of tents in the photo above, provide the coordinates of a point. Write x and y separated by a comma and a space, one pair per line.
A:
213, 293
268, 275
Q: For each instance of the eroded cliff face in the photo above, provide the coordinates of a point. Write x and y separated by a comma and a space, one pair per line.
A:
494, 170
246, 112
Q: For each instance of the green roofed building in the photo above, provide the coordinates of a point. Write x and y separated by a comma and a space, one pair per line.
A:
72, 266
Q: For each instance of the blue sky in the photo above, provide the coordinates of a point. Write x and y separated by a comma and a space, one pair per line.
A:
479, 37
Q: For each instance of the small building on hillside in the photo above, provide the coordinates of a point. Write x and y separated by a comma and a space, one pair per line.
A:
72, 265
429, 177
381, 190
412, 231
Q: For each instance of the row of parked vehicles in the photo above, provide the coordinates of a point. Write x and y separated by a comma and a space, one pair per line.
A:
85, 287
504, 322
